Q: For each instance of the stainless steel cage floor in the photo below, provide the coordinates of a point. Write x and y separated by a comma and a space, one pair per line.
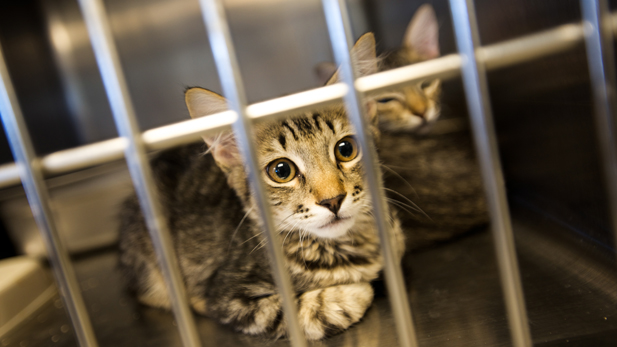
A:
570, 287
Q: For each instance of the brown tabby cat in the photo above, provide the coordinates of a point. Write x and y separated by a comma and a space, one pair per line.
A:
427, 161
314, 178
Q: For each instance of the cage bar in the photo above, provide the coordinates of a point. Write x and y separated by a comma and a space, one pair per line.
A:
476, 92
496, 56
233, 89
139, 167
28, 167
600, 59
337, 19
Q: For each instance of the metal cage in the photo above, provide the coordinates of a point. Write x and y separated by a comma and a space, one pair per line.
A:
471, 63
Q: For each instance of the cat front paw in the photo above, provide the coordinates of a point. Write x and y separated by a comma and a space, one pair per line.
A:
328, 311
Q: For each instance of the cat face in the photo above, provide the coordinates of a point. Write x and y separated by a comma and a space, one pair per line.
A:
311, 163
415, 107
313, 171
412, 108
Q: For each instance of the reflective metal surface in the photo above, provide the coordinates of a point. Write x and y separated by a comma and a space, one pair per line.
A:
570, 291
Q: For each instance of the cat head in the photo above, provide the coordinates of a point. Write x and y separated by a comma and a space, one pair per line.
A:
414, 107
311, 163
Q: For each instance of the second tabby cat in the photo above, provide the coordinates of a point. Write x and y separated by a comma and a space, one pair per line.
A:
426, 161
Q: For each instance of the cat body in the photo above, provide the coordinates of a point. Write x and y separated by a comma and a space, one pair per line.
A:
226, 267
314, 179
426, 160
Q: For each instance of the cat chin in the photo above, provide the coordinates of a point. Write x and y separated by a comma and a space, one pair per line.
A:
333, 230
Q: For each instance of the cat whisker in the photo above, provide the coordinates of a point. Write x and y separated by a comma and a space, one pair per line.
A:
238, 228
293, 227
302, 247
252, 237
259, 246
415, 207
282, 226
401, 177
405, 207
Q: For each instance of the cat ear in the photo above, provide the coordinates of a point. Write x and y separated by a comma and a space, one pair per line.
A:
324, 71
422, 34
364, 57
202, 102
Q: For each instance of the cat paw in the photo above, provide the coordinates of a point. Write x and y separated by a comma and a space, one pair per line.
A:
327, 311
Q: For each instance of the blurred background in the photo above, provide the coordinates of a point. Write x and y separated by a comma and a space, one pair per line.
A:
543, 113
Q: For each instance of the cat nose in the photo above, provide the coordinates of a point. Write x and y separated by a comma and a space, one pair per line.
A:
333, 204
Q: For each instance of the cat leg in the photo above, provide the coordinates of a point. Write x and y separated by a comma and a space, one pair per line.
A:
153, 291
321, 312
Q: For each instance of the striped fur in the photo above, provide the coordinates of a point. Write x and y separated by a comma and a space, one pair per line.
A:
331, 253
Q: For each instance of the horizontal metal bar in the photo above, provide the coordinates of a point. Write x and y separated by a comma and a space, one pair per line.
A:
75, 158
9, 174
298, 102
444, 67
187, 131
531, 47
495, 56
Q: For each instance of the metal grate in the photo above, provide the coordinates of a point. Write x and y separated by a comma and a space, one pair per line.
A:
472, 62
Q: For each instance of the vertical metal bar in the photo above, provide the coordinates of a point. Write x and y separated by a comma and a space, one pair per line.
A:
137, 161
600, 59
32, 177
233, 89
476, 91
337, 18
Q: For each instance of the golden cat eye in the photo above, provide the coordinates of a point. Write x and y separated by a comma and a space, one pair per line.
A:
346, 149
281, 170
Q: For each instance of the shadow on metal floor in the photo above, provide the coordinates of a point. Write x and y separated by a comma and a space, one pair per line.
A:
570, 290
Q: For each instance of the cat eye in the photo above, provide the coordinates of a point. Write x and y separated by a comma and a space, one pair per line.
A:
346, 149
281, 170
385, 100
425, 84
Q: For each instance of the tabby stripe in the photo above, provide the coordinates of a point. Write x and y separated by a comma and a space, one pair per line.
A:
290, 129
282, 140
277, 321
329, 124
304, 126
316, 120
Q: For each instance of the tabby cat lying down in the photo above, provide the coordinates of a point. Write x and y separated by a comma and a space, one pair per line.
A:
314, 178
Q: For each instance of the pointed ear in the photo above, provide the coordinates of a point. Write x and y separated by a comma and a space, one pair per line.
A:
422, 35
324, 71
364, 57
202, 102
